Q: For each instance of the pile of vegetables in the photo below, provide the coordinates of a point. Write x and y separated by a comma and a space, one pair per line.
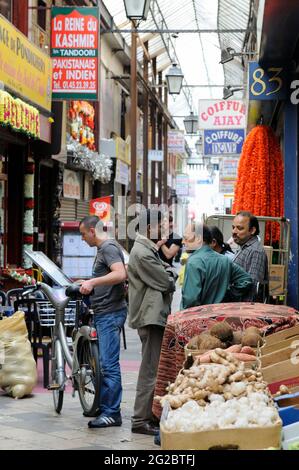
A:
253, 410
225, 376
221, 335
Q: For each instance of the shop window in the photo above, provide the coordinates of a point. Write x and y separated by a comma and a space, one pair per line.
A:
6, 9
82, 123
42, 15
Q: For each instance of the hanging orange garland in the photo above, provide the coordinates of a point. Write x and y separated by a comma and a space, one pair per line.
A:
260, 182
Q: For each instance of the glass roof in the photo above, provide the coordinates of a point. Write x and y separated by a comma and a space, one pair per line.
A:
197, 53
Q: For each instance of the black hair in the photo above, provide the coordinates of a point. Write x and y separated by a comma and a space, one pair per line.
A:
206, 234
91, 221
218, 236
253, 222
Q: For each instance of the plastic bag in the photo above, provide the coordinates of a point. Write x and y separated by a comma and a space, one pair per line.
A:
18, 374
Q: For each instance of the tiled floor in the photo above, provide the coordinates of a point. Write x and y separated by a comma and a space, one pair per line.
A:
31, 423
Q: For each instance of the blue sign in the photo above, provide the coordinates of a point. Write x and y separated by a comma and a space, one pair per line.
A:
223, 141
207, 181
268, 83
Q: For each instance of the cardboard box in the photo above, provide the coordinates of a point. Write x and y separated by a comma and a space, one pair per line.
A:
289, 342
276, 356
282, 335
269, 253
234, 438
276, 279
282, 373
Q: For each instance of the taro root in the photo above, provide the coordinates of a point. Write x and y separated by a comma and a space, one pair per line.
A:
194, 342
252, 329
237, 337
223, 331
251, 339
210, 342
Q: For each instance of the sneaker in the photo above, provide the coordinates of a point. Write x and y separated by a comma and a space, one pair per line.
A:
157, 439
105, 422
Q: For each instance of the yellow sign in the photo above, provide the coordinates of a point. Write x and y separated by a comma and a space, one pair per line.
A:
24, 68
122, 148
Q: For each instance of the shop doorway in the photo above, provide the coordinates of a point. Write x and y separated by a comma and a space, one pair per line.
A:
45, 209
15, 204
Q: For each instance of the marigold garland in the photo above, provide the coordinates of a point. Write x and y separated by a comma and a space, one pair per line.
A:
260, 181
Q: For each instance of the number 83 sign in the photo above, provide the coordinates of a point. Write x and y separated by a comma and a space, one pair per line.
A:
269, 83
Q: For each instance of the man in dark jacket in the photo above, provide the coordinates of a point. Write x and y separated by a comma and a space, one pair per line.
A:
151, 283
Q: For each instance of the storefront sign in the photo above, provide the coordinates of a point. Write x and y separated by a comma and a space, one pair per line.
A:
229, 167
205, 181
155, 155
122, 173
19, 116
223, 141
182, 185
24, 68
222, 114
226, 184
269, 83
74, 52
71, 184
122, 150
176, 142
101, 207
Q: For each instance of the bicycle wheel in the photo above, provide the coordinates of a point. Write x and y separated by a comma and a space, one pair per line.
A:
89, 380
58, 376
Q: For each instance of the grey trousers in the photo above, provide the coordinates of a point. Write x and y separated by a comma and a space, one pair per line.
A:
151, 339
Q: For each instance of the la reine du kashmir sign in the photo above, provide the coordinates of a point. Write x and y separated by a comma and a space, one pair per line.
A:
74, 52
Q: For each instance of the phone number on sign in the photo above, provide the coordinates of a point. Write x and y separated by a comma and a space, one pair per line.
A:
82, 85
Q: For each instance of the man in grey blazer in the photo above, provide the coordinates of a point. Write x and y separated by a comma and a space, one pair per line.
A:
151, 283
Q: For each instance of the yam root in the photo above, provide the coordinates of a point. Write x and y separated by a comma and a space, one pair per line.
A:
235, 348
247, 350
243, 357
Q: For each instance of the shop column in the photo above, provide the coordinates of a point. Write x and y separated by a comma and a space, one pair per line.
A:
291, 195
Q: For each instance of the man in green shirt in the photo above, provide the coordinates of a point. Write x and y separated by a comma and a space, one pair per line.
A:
210, 278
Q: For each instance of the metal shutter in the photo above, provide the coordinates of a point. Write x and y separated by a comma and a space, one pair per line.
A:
68, 209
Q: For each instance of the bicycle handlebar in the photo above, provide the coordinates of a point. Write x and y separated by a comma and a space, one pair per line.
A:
59, 297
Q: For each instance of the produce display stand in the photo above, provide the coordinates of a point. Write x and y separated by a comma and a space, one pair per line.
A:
182, 326
278, 253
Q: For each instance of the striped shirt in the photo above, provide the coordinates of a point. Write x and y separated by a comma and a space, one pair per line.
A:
253, 259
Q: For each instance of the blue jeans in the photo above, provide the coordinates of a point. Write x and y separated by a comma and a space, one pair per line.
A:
108, 328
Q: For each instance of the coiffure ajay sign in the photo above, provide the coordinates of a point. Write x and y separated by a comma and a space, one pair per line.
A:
222, 114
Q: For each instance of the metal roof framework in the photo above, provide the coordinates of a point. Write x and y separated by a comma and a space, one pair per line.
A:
197, 52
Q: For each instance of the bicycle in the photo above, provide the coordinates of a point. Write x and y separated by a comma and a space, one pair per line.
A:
84, 361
